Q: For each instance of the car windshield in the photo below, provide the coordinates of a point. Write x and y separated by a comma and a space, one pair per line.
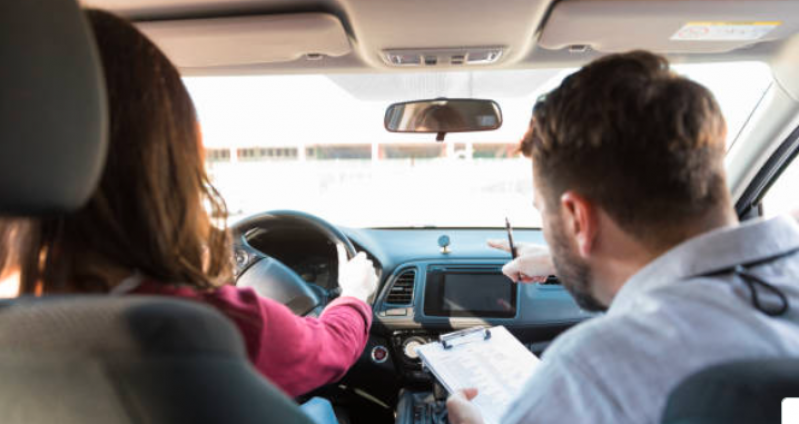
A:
316, 143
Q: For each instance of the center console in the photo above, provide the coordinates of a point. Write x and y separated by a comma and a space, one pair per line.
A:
408, 364
424, 407
425, 299
451, 293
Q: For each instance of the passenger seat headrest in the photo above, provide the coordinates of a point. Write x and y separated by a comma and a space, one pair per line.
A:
53, 115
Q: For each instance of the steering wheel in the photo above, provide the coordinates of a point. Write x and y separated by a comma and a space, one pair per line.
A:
271, 278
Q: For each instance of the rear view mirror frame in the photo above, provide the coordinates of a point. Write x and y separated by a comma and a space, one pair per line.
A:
454, 115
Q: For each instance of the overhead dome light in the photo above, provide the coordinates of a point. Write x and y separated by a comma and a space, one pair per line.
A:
404, 59
483, 56
443, 57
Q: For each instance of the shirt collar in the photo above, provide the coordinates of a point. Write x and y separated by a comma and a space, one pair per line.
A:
714, 251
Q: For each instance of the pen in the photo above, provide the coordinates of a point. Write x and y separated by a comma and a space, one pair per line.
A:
508, 228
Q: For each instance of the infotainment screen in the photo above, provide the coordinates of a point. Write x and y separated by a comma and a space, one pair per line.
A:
465, 294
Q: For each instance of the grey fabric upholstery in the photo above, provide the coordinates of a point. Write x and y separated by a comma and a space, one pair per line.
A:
736, 392
101, 359
52, 108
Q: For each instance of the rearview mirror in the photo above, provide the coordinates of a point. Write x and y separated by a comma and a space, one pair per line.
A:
443, 116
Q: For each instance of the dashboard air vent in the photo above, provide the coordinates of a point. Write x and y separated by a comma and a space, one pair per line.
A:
401, 292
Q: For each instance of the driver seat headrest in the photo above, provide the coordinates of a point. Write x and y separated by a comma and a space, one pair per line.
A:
53, 115
126, 359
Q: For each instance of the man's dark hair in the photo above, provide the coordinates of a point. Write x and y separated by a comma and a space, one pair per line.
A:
643, 143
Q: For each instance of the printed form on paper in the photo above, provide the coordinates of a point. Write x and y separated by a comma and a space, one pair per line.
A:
490, 360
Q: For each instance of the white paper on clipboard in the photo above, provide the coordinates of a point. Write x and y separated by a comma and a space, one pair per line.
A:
490, 360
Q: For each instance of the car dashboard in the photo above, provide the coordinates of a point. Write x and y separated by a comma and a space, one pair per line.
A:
427, 291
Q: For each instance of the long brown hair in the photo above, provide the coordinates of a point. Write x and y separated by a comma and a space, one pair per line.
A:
151, 211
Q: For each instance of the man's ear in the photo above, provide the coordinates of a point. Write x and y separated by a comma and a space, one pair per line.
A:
581, 219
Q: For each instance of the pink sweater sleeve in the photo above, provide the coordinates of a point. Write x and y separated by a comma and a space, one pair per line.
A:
298, 354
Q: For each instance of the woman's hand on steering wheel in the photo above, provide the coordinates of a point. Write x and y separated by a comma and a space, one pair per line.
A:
357, 276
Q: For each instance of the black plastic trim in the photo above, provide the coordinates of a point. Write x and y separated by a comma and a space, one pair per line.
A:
768, 174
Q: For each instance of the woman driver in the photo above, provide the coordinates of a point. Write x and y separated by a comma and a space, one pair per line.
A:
147, 226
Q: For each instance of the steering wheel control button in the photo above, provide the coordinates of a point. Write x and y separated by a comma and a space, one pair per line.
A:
241, 257
443, 243
397, 312
379, 354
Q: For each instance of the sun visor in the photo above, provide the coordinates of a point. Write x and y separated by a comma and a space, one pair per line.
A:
668, 26
196, 43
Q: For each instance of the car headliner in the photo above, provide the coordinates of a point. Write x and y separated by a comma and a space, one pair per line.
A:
519, 26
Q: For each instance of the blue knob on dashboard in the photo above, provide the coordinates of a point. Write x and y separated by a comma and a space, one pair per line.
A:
443, 242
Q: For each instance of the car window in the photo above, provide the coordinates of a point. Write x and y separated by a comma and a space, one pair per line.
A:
783, 196
316, 143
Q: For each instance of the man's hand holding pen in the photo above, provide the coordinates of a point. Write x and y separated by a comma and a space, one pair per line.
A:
533, 264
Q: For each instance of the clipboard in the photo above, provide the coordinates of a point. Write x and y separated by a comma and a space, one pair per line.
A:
488, 359
450, 340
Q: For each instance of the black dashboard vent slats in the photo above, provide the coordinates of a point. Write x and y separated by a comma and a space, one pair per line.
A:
401, 292
551, 280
